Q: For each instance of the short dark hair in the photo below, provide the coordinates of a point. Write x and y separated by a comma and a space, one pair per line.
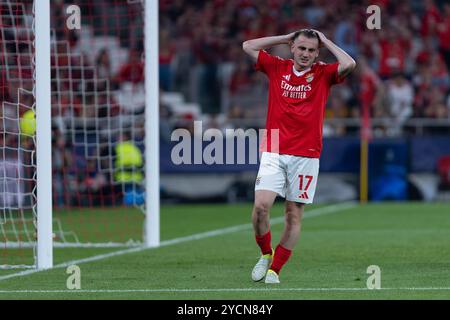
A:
308, 33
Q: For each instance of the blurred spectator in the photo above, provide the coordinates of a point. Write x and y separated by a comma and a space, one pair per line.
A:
131, 98
345, 35
401, 96
448, 105
423, 84
315, 13
443, 29
240, 79
236, 112
436, 107
369, 82
166, 54
128, 168
336, 108
95, 181
392, 51
103, 65
133, 70
430, 18
206, 53
59, 153
439, 73
165, 128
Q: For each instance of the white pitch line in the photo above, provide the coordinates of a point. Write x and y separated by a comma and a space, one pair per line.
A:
198, 236
225, 290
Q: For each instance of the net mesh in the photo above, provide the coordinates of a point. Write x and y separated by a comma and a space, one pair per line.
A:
97, 105
17, 142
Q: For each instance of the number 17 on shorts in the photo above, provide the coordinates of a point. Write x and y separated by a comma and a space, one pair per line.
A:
304, 186
302, 179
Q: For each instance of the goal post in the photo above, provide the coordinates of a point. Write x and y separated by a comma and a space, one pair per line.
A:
43, 134
151, 35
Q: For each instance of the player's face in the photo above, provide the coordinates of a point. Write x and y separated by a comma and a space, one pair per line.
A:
305, 51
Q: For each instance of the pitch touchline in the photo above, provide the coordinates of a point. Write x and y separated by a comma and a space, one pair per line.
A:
224, 290
203, 235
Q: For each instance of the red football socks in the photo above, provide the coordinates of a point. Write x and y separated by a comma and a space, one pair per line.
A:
264, 242
280, 258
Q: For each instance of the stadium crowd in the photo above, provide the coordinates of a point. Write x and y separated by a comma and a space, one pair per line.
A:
403, 68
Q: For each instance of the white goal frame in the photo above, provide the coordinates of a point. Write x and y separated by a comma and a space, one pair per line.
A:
44, 255
42, 89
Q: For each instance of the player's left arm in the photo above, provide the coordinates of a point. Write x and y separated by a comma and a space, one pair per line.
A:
346, 63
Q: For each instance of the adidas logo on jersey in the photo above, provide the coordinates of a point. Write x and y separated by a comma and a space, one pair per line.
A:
304, 195
287, 77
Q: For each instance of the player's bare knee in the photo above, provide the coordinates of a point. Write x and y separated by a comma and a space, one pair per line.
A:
261, 208
293, 215
294, 208
292, 219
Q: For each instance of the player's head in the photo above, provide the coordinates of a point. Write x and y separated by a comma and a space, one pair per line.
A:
305, 48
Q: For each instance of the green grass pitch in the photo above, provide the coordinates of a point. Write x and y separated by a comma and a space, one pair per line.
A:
409, 242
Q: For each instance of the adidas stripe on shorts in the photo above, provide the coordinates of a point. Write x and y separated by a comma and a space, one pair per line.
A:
292, 177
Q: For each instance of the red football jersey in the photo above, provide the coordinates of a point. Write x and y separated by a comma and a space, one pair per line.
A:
296, 104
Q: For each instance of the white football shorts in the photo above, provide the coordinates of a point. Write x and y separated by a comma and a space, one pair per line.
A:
292, 177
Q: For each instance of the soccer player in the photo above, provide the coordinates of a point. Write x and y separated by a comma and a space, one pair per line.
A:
298, 91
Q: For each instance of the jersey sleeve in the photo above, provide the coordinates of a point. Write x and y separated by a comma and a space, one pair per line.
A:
331, 72
267, 63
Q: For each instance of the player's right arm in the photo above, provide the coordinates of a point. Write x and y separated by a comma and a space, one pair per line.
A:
252, 47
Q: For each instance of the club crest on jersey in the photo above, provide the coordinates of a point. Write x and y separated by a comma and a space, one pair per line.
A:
287, 77
310, 77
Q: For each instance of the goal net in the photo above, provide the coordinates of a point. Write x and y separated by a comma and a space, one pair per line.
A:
98, 128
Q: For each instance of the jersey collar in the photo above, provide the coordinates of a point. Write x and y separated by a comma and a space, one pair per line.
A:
300, 73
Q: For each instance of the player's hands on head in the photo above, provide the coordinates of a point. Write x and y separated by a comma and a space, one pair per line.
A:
321, 36
290, 37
